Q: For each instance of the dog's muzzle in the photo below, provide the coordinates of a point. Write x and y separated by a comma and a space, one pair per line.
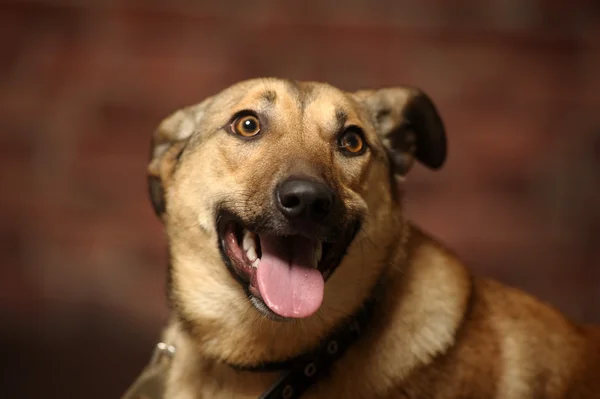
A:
284, 258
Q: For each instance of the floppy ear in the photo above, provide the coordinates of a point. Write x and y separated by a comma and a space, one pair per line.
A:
168, 142
409, 126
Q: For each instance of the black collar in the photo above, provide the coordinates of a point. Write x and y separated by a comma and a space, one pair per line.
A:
298, 374
301, 372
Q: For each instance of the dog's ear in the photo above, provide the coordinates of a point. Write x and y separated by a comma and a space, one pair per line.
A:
168, 142
409, 126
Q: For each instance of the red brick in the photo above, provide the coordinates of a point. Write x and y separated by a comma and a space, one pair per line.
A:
87, 85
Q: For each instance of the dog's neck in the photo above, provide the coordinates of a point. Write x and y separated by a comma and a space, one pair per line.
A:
304, 370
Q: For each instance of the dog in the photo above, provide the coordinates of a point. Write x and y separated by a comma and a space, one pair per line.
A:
294, 272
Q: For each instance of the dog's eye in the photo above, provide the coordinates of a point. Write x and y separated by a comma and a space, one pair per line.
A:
247, 126
352, 141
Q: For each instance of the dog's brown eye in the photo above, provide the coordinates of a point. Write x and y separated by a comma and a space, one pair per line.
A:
246, 126
352, 142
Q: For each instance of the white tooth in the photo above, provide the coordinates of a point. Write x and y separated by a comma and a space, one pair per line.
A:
251, 254
248, 240
318, 253
255, 263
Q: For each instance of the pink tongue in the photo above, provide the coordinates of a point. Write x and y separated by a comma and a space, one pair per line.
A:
287, 281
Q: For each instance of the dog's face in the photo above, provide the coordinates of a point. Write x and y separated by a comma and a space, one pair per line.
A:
280, 199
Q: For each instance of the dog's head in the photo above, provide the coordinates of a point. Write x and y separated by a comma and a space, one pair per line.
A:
280, 198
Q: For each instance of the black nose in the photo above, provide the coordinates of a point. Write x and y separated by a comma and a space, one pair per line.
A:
306, 199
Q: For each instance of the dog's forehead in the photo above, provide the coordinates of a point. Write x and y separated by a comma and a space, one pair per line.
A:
313, 102
327, 105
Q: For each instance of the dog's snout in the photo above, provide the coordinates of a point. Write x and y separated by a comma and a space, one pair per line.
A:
304, 199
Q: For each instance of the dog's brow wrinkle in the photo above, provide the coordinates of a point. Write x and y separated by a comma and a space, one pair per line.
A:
341, 116
270, 96
294, 89
304, 93
308, 94
382, 114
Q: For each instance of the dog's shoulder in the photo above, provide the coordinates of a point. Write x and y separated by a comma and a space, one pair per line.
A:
508, 342
542, 352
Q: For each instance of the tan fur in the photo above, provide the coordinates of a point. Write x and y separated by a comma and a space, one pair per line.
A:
438, 332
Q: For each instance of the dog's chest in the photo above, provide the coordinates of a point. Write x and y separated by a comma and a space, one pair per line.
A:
202, 380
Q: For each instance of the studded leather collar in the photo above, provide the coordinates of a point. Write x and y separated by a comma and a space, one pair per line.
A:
304, 371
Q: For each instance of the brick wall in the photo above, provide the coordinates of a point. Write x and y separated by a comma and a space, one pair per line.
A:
84, 83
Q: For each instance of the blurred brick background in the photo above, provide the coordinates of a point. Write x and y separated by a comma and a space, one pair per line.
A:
84, 83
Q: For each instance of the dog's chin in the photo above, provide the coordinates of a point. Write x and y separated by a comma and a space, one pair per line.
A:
303, 262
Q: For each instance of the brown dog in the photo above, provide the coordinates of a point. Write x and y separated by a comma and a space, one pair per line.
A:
282, 203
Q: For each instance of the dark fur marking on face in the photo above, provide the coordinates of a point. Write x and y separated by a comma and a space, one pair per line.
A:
394, 186
157, 195
341, 117
293, 86
306, 94
270, 96
382, 113
177, 160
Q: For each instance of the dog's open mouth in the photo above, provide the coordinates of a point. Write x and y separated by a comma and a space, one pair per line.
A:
286, 273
